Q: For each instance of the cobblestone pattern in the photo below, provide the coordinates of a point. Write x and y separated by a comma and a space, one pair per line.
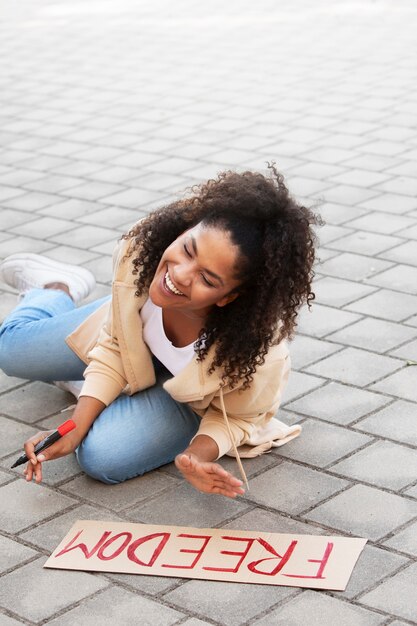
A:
108, 110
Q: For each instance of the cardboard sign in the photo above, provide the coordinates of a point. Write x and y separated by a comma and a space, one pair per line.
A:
209, 553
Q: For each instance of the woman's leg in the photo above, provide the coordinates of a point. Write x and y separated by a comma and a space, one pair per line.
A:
32, 337
136, 434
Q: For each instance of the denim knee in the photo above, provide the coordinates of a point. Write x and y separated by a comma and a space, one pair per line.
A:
9, 361
93, 462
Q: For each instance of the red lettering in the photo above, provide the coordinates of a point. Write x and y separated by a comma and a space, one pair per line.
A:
100, 553
133, 547
323, 563
87, 553
199, 552
241, 554
283, 559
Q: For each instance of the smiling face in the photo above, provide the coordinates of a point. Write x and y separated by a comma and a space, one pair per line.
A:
196, 272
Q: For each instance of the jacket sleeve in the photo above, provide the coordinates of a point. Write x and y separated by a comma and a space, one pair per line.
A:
247, 410
105, 377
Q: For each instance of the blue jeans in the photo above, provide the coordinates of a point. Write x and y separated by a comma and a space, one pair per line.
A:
134, 434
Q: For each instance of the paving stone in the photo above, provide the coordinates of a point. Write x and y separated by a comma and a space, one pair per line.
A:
412, 321
321, 444
322, 610
265, 521
367, 243
35, 601
118, 606
339, 213
44, 227
32, 201
12, 554
409, 233
9, 382
33, 401
195, 622
331, 233
48, 535
54, 183
405, 540
389, 148
5, 620
120, 496
349, 193
322, 320
338, 403
87, 236
383, 464
376, 335
390, 305
66, 254
364, 512
93, 191
13, 436
306, 350
299, 384
23, 244
383, 223
338, 292
401, 277
152, 585
391, 203
402, 384
26, 503
373, 565
133, 198
397, 421
405, 253
356, 367
353, 266
111, 217
10, 218
396, 595
5, 477
361, 178
412, 492
403, 185
229, 605
173, 508
408, 351
73, 209
303, 488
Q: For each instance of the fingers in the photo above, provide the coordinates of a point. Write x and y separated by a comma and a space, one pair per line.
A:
33, 471
30, 444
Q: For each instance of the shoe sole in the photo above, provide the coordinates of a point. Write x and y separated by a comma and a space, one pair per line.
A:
38, 262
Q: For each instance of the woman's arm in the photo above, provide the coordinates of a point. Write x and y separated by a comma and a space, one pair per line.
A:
86, 411
196, 465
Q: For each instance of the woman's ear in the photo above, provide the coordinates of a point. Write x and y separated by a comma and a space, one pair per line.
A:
227, 299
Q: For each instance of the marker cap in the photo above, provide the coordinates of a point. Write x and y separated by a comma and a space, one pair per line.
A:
66, 427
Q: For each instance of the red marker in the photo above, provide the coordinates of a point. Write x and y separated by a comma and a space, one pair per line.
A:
62, 430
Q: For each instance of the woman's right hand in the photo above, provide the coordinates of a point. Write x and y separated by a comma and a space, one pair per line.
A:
86, 411
62, 447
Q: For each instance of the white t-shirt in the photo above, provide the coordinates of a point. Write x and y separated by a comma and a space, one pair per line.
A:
174, 359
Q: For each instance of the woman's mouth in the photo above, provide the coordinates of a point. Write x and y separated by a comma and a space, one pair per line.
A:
170, 286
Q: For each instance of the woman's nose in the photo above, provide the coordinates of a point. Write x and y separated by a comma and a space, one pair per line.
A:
182, 274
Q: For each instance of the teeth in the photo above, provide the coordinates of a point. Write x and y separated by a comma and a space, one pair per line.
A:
171, 285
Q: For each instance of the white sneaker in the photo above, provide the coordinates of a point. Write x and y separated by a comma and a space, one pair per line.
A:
73, 386
25, 271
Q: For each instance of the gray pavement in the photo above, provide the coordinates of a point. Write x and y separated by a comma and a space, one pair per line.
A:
109, 109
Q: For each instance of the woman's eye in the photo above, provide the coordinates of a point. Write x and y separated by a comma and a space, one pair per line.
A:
207, 281
186, 250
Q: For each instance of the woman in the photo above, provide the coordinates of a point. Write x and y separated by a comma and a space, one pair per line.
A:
187, 361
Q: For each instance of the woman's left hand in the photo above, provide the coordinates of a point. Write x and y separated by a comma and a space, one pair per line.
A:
208, 477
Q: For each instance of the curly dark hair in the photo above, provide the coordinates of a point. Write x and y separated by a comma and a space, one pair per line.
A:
277, 247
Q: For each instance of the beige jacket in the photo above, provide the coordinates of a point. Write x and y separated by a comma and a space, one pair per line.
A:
110, 342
